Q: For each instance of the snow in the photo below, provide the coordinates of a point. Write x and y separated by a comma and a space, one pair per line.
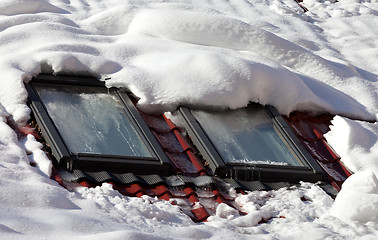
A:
359, 199
357, 141
213, 54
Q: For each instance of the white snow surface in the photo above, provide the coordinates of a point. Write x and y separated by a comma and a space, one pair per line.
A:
220, 54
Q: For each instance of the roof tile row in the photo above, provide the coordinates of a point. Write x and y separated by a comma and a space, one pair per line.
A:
311, 130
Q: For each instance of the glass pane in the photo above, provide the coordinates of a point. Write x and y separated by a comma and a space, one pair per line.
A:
91, 120
246, 136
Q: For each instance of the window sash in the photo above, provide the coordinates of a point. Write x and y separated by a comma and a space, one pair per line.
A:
92, 120
246, 136
306, 170
152, 162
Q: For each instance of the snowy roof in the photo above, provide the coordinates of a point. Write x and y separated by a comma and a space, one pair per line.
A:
206, 55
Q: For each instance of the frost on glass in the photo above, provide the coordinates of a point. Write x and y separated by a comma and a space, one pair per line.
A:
91, 120
246, 136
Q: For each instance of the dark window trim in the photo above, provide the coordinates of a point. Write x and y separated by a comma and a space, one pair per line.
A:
311, 171
159, 164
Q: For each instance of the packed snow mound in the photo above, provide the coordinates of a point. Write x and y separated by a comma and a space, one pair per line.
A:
359, 199
112, 21
356, 142
169, 57
14, 7
225, 32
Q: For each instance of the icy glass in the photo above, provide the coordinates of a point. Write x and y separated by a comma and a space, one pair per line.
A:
246, 136
91, 120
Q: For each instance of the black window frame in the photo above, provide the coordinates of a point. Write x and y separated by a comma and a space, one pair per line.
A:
158, 164
311, 170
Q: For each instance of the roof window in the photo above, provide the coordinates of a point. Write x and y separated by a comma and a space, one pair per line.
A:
94, 128
254, 143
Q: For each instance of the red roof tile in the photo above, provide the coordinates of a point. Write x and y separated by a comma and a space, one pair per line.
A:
311, 130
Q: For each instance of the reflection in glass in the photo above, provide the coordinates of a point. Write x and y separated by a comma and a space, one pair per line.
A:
246, 136
91, 120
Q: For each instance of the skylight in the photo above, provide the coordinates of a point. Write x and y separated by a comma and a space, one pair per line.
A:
91, 120
252, 143
246, 136
91, 127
